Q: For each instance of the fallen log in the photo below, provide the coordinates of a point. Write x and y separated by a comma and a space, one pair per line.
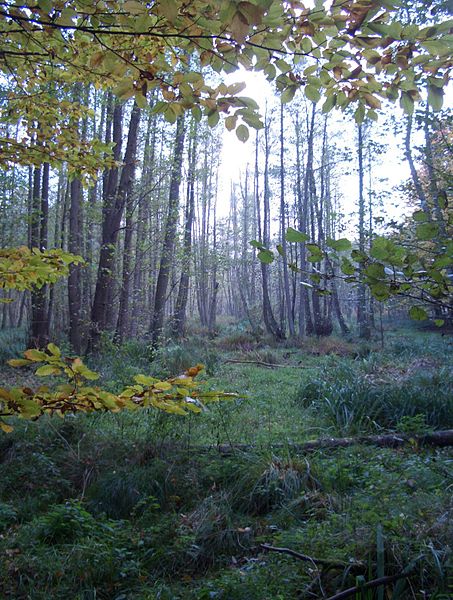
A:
390, 440
261, 363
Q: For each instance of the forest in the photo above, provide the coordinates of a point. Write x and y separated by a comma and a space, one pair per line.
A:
226, 300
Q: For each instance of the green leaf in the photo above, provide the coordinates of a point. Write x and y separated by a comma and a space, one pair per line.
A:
18, 362
145, 380
312, 93
288, 94
359, 114
380, 291
427, 231
47, 370
257, 245
347, 267
375, 271
340, 245
53, 349
435, 97
439, 322
420, 216
407, 103
242, 133
213, 118
266, 256
141, 100
292, 235
35, 355
417, 313
329, 103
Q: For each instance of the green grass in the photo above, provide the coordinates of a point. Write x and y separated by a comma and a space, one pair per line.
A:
136, 507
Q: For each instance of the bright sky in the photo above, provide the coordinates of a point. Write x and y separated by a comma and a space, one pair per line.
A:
390, 166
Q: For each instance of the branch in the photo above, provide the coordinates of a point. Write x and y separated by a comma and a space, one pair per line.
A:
332, 564
368, 585
391, 440
265, 364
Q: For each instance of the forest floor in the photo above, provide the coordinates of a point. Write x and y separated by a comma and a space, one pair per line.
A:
144, 506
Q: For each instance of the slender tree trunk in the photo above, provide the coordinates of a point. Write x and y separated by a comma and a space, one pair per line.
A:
114, 203
39, 335
179, 317
362, 315
287, 295
268, 314
160, 296
74, 280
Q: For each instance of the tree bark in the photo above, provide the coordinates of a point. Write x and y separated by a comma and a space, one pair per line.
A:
179, 316
114, 203
160, 296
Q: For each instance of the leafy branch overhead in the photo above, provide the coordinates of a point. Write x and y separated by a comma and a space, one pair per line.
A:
178, 396
350, 52
390, 268
24, 269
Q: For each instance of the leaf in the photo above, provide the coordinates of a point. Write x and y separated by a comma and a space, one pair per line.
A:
5, 427
141, 100
347, 267
427, 231
134, 7
90, 375
293, 235
417, 313
288, 94
359, 114
35, 355
435, 97
145, 380
242, 133
266, 256
407, 103
257, 245
439, 322
329, 103
213, 118
47, 370
420, 216
340, 245
53, 349
312, 93
18, 362
162, 385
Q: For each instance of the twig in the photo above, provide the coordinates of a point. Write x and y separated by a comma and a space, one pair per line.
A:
368, 585
332, 564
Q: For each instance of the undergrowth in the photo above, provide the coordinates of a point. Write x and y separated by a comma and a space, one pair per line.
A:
142, 507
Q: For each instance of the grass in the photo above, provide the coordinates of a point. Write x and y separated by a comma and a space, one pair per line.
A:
136, 507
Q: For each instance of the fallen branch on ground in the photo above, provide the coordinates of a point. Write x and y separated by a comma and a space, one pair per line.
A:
325, 562
367, 586
266, 364
389, 440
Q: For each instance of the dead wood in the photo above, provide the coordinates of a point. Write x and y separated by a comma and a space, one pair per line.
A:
390, 440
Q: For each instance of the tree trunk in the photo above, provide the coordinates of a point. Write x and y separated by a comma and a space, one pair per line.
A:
362, 313
39, 335
160, 296
287, 295
179, 316
114, 203
74, 280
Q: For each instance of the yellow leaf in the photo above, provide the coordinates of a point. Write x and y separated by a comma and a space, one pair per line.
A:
35, 355
5, 427
163, 385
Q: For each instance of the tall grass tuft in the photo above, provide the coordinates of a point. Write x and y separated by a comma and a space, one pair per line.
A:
12, 343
